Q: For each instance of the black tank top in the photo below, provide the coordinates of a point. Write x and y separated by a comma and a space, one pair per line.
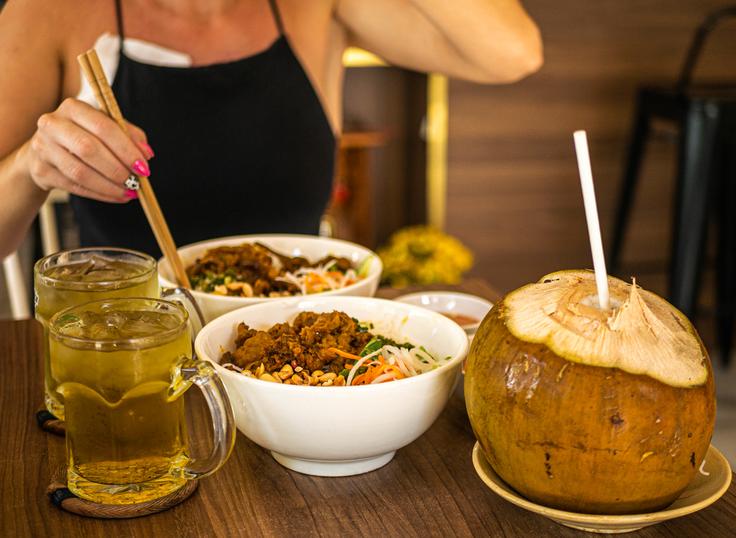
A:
241, 147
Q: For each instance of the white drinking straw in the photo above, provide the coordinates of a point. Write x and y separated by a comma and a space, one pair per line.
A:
591, 215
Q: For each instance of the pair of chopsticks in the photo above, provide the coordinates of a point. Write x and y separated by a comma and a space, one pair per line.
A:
93, 72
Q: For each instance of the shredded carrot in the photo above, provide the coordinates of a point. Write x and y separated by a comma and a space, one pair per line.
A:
343, 354
390, 368
374, 368
362, 379
359, 380
373, 371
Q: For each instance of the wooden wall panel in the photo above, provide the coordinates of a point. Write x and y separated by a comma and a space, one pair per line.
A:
513, 191
391, 101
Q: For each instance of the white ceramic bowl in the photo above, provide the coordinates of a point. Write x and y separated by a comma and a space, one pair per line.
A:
311, 247
338, 431
452, 303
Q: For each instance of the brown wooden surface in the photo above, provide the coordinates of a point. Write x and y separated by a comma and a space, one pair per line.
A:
429, 489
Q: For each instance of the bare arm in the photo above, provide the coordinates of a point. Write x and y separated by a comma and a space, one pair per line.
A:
481, 40
44, 144
30, 86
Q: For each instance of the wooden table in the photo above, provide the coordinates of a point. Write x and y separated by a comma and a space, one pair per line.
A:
429, 489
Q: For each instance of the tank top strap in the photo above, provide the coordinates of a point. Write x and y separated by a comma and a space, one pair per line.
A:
276, 16
119, 22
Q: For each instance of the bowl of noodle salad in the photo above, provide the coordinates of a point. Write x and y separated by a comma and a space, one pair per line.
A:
334, 385
232, 272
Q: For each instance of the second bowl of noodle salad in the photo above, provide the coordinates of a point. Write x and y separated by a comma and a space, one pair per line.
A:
232, 272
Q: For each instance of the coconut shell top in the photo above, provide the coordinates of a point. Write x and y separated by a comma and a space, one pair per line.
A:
559, 311
590, 411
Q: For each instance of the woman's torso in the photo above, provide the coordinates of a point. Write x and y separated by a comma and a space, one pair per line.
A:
242, 146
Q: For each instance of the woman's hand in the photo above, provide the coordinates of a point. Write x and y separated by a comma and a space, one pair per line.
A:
81, 150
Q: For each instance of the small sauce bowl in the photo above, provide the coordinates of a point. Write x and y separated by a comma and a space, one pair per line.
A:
464, 309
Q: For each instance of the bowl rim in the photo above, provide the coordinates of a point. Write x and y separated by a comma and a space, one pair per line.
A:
455, 361
374, 271
444, 293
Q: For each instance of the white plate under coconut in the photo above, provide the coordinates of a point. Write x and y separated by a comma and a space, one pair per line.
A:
706, 488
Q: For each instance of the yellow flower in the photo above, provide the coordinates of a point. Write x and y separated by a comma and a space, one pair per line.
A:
423, 255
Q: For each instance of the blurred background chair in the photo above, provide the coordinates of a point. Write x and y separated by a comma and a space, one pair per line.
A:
16, 278
704, 183
16, 284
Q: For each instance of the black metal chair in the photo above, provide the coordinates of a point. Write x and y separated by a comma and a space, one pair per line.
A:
704, 115
726, 246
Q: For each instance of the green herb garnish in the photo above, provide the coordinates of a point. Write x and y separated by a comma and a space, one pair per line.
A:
377, 342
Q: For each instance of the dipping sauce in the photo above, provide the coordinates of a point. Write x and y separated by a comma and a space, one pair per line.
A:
460, 319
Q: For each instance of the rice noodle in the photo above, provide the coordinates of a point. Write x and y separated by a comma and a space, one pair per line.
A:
291, 279
329, 280
410, 362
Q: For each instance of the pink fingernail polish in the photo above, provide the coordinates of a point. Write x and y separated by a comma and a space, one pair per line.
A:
131, 194
148, 149
141, 168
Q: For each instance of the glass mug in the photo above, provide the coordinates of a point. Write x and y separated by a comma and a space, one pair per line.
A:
122, 367
78, 276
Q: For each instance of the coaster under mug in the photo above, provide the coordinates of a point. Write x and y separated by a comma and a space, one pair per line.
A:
49, 423
64, 499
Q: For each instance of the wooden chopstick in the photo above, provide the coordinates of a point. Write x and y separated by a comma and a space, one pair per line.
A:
93, 72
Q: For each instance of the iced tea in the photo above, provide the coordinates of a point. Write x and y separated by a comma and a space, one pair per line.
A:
78, 276
117, 364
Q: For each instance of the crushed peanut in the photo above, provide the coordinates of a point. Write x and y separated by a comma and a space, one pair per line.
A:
286, 372
289, 375
267, 377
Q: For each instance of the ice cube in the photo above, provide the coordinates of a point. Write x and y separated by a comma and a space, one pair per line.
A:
71, 325
118, 324
97, 269
143, 323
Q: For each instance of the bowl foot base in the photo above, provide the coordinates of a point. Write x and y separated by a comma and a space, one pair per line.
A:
333, 468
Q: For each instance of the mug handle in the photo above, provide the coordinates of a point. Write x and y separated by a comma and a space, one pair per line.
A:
185, 297
202, 374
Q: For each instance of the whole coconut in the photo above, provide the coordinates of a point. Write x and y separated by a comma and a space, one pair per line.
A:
604, 412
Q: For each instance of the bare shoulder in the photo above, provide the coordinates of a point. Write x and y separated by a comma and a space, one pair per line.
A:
45, 8
53, 23
42, 38
44, 14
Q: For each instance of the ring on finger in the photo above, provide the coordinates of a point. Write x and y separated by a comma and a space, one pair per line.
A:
132, 183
